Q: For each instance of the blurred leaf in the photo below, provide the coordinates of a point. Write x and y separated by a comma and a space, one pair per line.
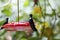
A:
45, 24
33, 38
24, 17
7, 10
48, 32
3, 0
1, 34
16, 35
26, 3
23, 39
53, 12
37, 12
58, 15
8, 6
37, 9
20, 17
1, 22
19, 35
58, 24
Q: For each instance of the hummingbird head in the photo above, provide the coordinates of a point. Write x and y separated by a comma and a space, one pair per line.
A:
7, 18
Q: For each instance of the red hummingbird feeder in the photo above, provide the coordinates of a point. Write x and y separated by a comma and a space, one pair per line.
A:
19, 26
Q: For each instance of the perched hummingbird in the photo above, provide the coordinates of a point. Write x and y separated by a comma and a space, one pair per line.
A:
6, 21
32, 23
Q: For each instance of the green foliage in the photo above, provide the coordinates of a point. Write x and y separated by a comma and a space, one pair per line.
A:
1, 22
33, 38
3, 0
38, 14
26, 3
23, 39
24, 17
2, 33
58, 24
7, 10
20, 35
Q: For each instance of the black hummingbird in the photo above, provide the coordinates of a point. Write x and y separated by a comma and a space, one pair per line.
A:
32, 23
6, 21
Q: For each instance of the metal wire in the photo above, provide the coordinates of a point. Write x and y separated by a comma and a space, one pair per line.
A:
18, 9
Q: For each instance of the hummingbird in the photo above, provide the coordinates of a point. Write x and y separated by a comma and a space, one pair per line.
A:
32, 23
6, 21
